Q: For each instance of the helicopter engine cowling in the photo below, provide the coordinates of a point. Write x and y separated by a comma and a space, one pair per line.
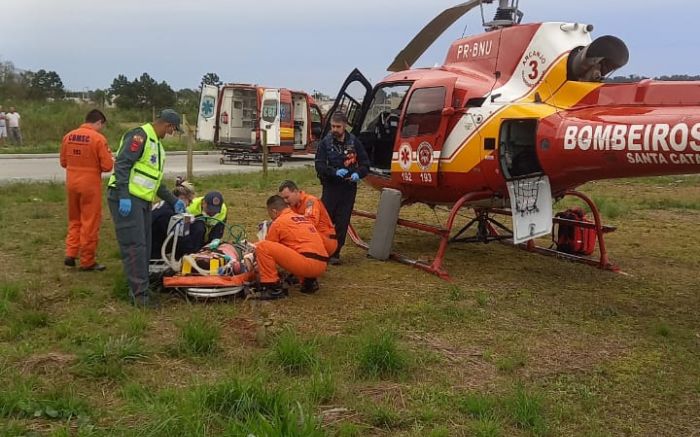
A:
596, 60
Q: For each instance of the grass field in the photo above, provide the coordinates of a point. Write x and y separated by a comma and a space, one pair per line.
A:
44, 124
517, 345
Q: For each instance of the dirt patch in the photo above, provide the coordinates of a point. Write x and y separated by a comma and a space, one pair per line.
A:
570, 353
51, 363
469, 367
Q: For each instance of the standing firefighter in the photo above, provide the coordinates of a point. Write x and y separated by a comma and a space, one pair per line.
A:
85, 155
341, 161
137, 180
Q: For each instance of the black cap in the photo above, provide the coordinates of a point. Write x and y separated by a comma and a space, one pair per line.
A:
170, 116
214, 201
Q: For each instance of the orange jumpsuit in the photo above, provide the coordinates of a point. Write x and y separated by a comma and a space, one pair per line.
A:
311, 207
84, 155
293, 243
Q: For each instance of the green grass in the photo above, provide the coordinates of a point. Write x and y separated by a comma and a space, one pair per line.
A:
322, 387
293, 354
198, 337
515, 345
486, 427
477, 405
22, 398
526, 410
107, 357
380, 356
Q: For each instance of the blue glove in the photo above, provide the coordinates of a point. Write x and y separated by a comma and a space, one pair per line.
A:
354, 177
179, 206
124, 207
341, 172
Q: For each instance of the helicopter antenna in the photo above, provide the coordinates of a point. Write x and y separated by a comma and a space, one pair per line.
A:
465, 29
507, 14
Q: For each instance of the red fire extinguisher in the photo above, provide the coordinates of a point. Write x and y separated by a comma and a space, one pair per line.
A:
224, 118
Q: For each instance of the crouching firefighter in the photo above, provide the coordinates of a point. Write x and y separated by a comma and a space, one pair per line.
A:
292, 243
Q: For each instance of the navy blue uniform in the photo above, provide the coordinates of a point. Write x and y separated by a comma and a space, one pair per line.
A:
339, 193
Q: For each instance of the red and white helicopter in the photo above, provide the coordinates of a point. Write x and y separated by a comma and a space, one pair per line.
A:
516, 117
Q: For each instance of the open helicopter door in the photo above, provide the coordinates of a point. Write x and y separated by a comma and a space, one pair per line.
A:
352, 100
531, 207
206, 119
423, 130
270, 120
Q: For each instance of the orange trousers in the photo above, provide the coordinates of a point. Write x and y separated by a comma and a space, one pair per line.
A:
331, 244
84, 217
270, 255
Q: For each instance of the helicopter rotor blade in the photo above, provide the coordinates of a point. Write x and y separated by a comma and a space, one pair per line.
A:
432, 31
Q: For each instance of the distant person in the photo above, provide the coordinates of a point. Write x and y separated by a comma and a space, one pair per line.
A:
3, 127
85, 155
163, 212
292, 243
341, 161
312, 208
135, 183
15, 134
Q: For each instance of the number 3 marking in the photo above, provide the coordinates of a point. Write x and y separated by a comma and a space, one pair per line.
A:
533, 75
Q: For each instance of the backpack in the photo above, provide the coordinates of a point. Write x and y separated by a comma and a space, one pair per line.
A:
572, 238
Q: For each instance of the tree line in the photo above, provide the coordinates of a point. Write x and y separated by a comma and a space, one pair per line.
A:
141, 93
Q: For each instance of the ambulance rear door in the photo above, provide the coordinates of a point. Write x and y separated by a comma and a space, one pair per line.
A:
206, 119
270, 119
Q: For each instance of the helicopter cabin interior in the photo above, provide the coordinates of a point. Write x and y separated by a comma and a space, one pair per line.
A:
517, 153
381, 125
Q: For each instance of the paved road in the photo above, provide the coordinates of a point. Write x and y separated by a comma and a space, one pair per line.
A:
46, 167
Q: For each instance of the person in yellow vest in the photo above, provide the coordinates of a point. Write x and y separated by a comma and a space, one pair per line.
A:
210, 212
134, 185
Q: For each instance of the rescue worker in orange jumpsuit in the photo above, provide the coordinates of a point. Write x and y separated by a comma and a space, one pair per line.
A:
312, 208
293, 243
85, 155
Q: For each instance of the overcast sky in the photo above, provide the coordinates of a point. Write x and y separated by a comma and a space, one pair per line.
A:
302, 44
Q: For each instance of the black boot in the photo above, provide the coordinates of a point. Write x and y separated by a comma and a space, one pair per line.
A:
309, 286
271, 291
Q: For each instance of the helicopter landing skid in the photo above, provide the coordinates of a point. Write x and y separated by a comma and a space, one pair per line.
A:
487, 231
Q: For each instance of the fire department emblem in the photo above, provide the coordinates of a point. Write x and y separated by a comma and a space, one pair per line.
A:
425, 155
405, 157
207, 108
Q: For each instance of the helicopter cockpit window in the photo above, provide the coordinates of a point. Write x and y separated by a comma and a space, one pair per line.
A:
381, 123
424, 112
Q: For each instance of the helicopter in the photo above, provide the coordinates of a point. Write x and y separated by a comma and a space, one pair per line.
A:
516, 117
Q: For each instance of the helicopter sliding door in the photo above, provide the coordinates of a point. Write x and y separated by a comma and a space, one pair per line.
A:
422, 131
352, 100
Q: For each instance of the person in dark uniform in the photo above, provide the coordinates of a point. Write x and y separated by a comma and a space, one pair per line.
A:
163, 212
135, 183
341, 161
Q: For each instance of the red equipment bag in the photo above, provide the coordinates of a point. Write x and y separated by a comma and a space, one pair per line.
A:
572, 238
